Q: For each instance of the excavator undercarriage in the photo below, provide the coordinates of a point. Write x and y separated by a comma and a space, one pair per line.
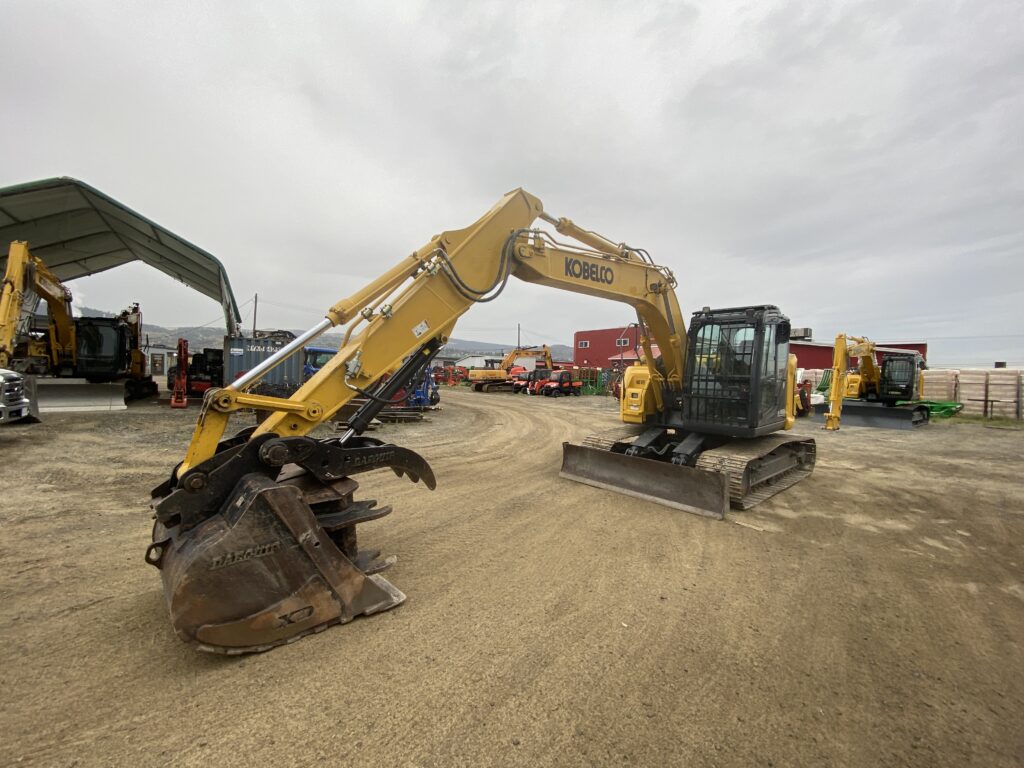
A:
736, 474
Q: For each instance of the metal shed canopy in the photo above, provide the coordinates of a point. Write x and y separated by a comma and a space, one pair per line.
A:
78, 231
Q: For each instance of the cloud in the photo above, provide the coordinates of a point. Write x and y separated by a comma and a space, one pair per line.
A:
856, 163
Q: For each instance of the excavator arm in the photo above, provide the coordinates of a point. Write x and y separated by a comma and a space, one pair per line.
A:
255, 534
421, 298
26, 274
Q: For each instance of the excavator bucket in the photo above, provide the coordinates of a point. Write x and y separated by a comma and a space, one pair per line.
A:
278, 558
685, 488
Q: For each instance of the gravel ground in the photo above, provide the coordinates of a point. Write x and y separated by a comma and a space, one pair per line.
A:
872, 615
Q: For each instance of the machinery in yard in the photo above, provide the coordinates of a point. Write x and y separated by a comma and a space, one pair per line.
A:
255, 534
315, 359
193, 374
100, 350
15, 404
179, 376
425, 393
502, 378
561, 383
536, 381
885, 394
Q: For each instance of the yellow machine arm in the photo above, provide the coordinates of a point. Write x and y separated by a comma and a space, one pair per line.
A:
28, 274
419, 300
846, 384
541, 353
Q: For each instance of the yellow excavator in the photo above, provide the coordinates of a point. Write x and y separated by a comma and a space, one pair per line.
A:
499, 379
98, 349
255, 534
886, 395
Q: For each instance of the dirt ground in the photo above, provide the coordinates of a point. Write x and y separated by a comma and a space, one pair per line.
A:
872, 615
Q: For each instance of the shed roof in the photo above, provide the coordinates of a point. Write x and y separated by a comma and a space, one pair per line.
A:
78, 231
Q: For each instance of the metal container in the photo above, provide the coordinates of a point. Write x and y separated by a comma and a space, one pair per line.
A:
243, 354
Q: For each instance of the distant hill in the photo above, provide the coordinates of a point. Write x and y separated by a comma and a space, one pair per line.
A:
212, 336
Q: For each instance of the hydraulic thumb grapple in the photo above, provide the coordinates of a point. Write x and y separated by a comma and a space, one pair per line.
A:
257, 546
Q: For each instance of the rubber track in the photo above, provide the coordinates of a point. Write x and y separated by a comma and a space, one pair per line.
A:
733, 460
605, 440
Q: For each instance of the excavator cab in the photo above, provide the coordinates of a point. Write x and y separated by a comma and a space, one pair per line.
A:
104, 346
900, 375
736, 372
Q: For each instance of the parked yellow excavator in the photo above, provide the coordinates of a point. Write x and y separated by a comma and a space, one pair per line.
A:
499, 379
886, 395
100, 350
255, 534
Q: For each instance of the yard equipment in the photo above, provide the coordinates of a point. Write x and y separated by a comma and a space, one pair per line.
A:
255, 534
561, 383
500, 379
538, 378
192, 375
425, 394
100, 350
15, 405
886, 395
179, 394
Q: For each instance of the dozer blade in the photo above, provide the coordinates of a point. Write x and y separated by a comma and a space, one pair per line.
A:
879, 416
691, 490
78, 396
265, 572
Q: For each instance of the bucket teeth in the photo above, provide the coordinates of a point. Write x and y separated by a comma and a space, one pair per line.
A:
355, 513
368, 562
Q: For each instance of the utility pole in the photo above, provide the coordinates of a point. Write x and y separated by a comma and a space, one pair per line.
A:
255, 306
519, 337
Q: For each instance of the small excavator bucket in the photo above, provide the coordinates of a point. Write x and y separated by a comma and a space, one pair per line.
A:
691, 490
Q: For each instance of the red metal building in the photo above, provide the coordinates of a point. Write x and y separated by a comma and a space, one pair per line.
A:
605, 347
597, 348
818, 354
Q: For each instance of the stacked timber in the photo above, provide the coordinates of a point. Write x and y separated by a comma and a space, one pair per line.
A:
941, 385
1004, 393
973, 391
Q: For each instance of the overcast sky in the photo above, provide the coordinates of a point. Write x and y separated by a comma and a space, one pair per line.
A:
858, 164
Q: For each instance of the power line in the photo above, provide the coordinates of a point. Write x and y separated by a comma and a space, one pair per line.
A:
968, 338
220, 317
